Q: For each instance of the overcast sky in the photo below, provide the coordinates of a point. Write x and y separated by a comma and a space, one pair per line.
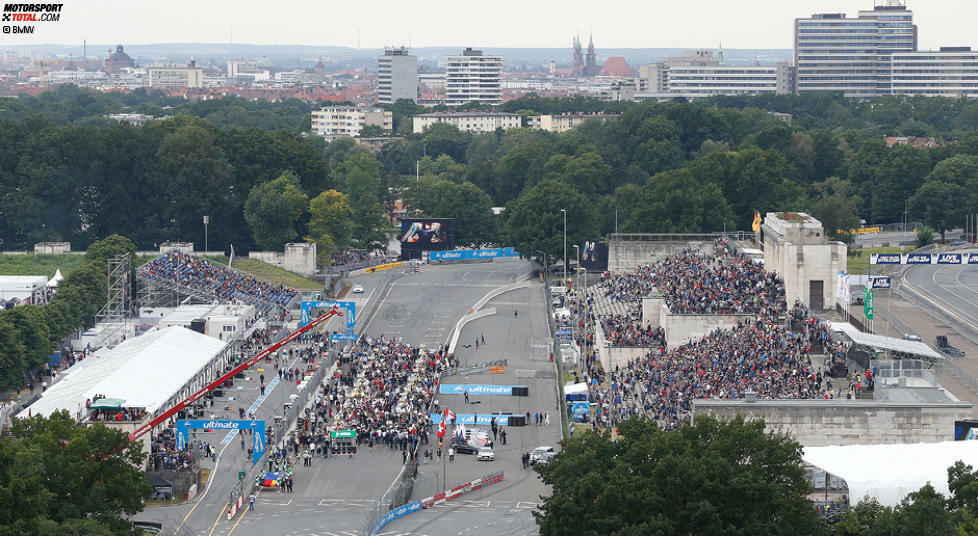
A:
497, 23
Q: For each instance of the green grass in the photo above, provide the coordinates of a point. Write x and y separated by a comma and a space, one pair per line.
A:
272, 274
860, 263
39, 264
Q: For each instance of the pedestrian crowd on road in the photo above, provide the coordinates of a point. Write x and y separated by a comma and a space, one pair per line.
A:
225, 283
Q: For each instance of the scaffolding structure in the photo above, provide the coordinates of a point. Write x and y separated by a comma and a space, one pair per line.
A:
113, 319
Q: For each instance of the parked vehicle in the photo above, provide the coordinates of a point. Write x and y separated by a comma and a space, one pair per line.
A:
486, 454
946, 347
541, 453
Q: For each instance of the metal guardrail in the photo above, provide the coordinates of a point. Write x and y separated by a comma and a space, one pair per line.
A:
679, 237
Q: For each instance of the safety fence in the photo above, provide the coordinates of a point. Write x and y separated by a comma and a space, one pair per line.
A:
276, 435
409, 508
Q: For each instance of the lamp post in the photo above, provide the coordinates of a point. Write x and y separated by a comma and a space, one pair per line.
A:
578, 268
546, 274
565, 244
207, 219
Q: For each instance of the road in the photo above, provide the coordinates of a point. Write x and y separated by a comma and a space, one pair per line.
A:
333, 497
952, 288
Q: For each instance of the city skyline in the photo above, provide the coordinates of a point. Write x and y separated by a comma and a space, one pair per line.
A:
697, 24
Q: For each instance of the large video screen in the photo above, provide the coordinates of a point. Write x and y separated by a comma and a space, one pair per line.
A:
594, 256
427, 234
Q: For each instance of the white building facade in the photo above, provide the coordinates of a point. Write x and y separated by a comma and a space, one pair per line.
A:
469, 121
397, 76
699, 74
835, 53
473, 77
949, 72
190, 76
348, 121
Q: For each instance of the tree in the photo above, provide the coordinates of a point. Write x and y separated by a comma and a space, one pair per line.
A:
109, 247
59, 478
836, 207
360, 176
469, 206
534, 221
329, 223
273, 209
372, 131
713, 477
940, 204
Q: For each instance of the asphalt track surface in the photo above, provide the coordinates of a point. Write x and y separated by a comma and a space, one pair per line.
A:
952, 288
333, 497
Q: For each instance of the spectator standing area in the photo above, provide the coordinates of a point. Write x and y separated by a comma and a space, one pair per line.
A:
200, 277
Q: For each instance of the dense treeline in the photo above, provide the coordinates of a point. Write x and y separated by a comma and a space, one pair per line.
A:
30, 333
671, 167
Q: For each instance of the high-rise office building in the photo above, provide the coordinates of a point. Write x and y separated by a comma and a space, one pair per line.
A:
699, 73
473, 77
397, 76
835, 53
948, 72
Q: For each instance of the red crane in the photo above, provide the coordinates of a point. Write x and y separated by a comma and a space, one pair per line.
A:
243, 366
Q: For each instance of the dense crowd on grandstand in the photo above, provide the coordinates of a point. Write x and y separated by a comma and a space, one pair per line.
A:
382, 389
692, 283
627, 330
225, 283
761, 355
349, 256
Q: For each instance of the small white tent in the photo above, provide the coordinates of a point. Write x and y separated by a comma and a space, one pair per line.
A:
53, 283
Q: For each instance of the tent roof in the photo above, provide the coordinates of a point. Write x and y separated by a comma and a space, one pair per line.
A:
56, 279
145, 371
574, 388
888, 473
885, 343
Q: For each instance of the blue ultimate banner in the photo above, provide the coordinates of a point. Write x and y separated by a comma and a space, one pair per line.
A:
461, 389
471, 254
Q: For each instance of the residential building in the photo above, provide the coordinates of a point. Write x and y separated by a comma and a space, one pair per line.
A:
699, 73
564, 122
949, 72
397, 76
473, 77
347, 121
836, 53
176, 76
469, 121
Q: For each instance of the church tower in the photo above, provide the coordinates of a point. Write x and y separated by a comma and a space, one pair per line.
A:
592, 58
578, 57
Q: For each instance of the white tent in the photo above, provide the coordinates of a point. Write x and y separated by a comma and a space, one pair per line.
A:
575, 389
888, 473
145, 371
56, 279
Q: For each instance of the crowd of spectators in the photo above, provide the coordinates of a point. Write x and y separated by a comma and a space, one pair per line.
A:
383, 390
225, 283
760, 355
692, 283
349, 256
625, 330
164, 455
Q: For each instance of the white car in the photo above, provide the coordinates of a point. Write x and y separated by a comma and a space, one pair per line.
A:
485, 453
541, 454
357, 289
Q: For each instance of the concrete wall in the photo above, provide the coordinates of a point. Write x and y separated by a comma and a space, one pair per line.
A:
626, 255
652, 310
800, 254
182, 247
52, 248
819, 423
298, 257
181, 480
681, 328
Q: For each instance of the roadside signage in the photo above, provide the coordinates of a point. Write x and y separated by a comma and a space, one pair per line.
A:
343, 337
881, 282
473, 389
241, 475
924, 258
343, 434
257, 428
868, 303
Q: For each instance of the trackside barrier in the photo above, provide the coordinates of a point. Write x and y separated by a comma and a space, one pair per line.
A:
234, 506
402, 511
458, 491
381, 267
438, 498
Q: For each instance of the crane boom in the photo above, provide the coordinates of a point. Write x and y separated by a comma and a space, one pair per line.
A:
243, 366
